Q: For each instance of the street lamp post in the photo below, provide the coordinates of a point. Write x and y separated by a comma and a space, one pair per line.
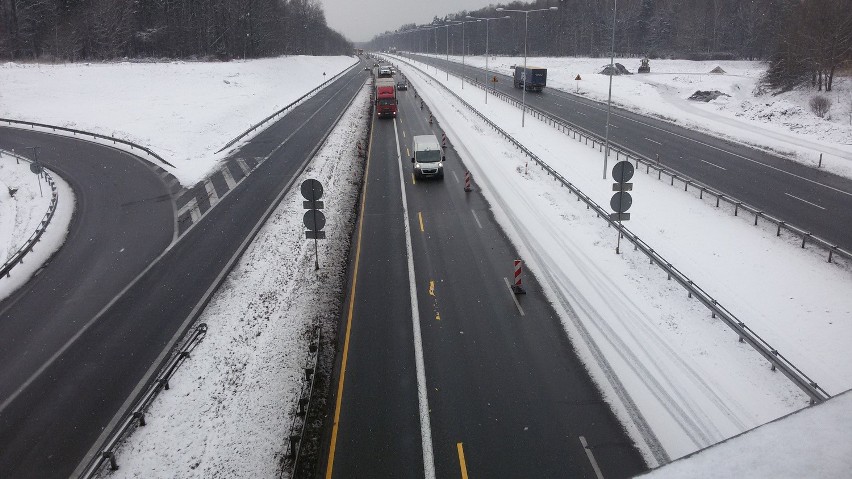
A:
526, 28
463, 47
487, 22
609, 98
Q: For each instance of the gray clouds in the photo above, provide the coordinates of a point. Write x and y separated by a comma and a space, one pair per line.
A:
360, 20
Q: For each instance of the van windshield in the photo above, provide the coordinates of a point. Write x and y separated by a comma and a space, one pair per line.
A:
428, 156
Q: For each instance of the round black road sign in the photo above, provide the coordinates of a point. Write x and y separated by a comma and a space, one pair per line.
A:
36, 168
311, 216
622, 171
311, 189
621, 202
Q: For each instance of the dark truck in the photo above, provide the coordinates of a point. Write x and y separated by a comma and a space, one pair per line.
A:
537, 78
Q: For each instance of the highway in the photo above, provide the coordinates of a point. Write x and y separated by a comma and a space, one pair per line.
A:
442, 366
812, 199
78, 343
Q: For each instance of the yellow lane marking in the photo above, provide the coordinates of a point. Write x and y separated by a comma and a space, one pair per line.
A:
462, 463
438, 316
407, 153
420, 217
344, 360
403, 133
413, 181
431, 288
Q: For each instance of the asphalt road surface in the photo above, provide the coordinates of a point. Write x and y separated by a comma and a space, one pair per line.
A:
66, 370
506, 395
812, 199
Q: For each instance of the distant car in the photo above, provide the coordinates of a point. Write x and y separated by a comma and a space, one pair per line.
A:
402, 85
367, 68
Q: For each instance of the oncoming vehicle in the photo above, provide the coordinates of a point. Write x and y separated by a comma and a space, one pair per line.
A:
428, 158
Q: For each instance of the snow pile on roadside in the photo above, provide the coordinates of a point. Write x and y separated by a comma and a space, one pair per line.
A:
229, 408
780, 123
783, 448
657, 355
21, 214
183, 111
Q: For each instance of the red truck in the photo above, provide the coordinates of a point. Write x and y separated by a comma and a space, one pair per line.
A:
385, 97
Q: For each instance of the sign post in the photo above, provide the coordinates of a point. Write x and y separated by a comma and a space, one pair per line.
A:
621, 201
578, 82
314, 219
36, 167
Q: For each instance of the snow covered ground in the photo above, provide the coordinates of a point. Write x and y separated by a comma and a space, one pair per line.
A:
783, 123
21, 214
783, 448
228, 411
183, 111
654, 352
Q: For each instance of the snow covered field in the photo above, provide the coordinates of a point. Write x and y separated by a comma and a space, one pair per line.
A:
782, 123
684, 372
228, 411
183, 111
21, 214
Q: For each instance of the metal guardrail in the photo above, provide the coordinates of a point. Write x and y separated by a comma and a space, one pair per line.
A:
136, 416
582, 134
18, 256
282, 110
299, 421
133, 146
776, 359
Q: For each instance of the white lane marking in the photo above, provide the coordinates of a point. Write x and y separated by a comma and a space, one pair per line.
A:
805, 201
192, 207
714, 164
422, 397
455, 176
211, 192
244, 166
710, 146
654, 141
591, 458
477, 219
229, 178
514, 297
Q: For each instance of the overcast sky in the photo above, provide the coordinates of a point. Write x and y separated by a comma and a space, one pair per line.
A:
359, 20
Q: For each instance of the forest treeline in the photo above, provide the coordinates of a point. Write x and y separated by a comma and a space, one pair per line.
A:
806, 40
72, 30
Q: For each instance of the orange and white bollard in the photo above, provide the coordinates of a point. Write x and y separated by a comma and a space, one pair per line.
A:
430, 118
443, 141
517, 288
467, 182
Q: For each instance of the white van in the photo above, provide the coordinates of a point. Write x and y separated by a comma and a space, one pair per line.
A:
428, 157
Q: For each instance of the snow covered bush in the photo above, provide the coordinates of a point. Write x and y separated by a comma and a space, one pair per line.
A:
820, 105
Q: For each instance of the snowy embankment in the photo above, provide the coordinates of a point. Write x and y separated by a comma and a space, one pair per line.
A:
22, 212
228, 411
814, 442
183, 111
780, 123
657, 355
